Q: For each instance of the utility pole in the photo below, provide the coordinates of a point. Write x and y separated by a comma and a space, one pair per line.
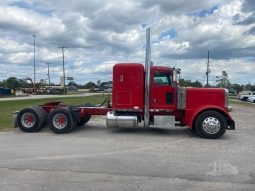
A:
34, 57
48, 73
207, 70
64, 76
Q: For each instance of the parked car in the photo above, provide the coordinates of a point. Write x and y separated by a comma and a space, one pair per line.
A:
108, 90
95, 89
251, 99
108, 87
72, 88
245, 97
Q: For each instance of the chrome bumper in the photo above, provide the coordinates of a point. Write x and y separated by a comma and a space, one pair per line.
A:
229, 108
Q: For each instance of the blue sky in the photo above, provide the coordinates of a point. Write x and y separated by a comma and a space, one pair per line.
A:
100, 33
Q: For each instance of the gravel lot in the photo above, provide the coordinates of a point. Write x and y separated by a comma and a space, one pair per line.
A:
96, 158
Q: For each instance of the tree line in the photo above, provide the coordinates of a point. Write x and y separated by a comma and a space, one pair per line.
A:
222, 81
15, 83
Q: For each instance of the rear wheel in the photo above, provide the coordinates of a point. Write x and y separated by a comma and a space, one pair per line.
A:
30, 119
211, 124
61, 121
83, 120
43, 116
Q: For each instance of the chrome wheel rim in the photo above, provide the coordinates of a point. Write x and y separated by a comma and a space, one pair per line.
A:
211, 125
28, 120
59, 121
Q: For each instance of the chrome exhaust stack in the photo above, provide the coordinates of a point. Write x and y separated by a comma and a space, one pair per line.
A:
117, 120
148, 65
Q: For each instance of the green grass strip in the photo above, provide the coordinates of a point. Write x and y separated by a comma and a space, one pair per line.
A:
8, 107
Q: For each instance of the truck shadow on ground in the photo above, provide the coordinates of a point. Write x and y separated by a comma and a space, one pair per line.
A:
154, 131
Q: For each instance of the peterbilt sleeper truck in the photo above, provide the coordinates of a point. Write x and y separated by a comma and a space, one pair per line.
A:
140, 95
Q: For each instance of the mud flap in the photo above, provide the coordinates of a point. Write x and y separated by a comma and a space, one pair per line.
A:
14, 119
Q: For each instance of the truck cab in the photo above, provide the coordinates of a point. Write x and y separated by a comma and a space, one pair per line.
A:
190, 106
129, 89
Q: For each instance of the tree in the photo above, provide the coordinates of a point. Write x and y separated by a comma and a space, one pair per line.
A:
72, 83
252, 88
238, 88
197, 84
223, 79
90, 85
98, 82
42, 83
12, 83
105, 83
189, 83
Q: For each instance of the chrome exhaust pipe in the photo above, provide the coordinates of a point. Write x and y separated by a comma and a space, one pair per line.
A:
148, 65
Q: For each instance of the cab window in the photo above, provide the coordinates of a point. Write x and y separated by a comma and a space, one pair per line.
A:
162, 79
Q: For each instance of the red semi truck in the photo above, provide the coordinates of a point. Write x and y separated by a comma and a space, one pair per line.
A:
140, 95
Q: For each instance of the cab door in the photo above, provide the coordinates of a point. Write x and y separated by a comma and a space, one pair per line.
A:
162, 90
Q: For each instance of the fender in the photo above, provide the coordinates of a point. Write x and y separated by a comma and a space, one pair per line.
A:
192, 114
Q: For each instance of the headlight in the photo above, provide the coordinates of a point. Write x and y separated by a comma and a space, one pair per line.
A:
229, 108
226, 98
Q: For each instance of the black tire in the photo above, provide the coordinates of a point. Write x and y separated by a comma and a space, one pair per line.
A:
30, 120
43, 117
67, 121
210, 124
83, 120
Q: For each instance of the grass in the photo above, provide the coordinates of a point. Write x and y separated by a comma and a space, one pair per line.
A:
8, 107
237, 102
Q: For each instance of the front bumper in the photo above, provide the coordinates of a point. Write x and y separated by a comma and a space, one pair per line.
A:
229, 108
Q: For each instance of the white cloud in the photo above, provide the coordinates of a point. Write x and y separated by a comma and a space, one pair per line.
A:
26, 21
12, 46
100, 33
105, 67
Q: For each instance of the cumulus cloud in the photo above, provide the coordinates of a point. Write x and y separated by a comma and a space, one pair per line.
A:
180, 7
26, 21
101, 33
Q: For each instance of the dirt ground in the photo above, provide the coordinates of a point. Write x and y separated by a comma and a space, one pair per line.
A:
97, 158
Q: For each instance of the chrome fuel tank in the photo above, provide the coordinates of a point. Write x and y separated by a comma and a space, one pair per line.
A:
122, 121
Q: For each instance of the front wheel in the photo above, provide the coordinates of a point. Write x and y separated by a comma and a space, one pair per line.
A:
211, 124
